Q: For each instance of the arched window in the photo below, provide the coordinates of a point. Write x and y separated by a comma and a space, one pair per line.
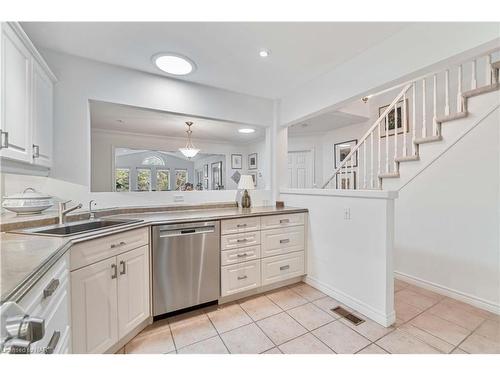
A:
153, 160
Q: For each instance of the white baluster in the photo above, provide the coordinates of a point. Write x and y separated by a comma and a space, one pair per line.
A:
414, 119
352, 170
473, 82
387, 144
379, 156
404, 125
364, 164
424, 126
372, 162
460, 99
488, 70
395, 136
446, 92
434, 105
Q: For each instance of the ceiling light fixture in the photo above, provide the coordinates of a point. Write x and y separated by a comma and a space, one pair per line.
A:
246, 130
174, 64
189, 151
264, 53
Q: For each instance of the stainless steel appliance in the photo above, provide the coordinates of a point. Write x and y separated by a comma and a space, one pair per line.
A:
185, 265
19, 330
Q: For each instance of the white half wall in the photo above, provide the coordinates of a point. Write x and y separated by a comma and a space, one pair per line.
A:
350, 238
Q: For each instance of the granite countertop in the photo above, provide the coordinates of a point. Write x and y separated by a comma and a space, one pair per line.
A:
24, 258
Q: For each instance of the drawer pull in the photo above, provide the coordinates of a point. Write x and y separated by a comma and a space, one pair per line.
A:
282, 268
114, 275
115, 245
241, 225
123, 270
284, 221
286, 240
51, 288
242, 277
241, 255
240, 240
54, 340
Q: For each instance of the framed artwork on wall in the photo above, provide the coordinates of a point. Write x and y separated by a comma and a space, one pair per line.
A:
341, 150
205, 170
254, 177
346, 180
391, 120
236, 161
236, 177
217, 176
252, 161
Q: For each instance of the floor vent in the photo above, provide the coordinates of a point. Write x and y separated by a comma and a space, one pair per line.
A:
347, 315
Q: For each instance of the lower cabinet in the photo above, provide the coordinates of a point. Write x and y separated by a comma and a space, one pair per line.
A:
240, 277
109, 299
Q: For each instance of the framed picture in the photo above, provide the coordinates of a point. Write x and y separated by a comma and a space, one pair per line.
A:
217, 176
236, 177
391, 120
341, 150
252, 161
346, 180
254, 177
205, 170
236, 161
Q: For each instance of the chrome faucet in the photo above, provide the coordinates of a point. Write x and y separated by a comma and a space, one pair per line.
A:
91, 213
63, 211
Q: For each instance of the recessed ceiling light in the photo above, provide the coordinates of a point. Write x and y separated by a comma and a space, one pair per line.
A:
246, 130
174, 64
264, 53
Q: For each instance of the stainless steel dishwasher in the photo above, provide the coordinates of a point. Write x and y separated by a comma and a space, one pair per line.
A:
185, 265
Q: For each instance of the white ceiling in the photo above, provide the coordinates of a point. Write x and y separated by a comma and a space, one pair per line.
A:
117, 117
325, 122
226, 54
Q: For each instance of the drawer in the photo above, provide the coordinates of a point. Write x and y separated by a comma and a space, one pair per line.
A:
245, 224
282, 267
282, 241
92, 251
240, 277
280, 221
239, 255
234, 241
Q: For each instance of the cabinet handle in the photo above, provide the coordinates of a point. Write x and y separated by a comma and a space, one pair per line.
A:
36, 151
282, 268
5, 139
241, 225
54, 340
123, 270
284, 221
114, 275
240, 240
242, 277
286, 240
241, 255
51, 288
115, 245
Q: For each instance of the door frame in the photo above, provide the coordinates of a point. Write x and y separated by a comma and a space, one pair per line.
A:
313, 153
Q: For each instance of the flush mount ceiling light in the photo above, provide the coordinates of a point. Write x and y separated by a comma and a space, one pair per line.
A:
189, 151
264, 53
174, 64
246, 130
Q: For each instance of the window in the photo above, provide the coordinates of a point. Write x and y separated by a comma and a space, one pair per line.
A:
122, 179
143, 179
162, 179
153, 160
181, 178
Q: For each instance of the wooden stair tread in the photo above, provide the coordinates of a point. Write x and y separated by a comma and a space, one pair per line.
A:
403, 159
452, 117
389, 175
481, 90
429, 139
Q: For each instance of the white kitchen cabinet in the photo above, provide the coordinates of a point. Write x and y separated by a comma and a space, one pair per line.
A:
26, 100
133, 289
94, 294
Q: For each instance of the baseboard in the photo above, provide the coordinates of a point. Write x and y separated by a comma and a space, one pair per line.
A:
449, 292
384, 319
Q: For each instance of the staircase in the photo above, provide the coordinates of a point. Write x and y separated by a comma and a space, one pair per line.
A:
389, 156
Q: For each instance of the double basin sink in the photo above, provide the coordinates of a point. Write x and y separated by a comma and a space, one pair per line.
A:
78, 227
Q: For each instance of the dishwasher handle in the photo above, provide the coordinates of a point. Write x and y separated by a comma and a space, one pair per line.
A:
185, 231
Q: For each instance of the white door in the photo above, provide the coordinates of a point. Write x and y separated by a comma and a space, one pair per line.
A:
133, 289
42, 117
300, 169
15, 106
94, 307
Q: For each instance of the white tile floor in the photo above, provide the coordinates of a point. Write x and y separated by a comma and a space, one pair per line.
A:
298, 320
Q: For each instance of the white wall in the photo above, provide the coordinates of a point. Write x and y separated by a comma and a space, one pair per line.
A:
350, 260
408, 51
447, 220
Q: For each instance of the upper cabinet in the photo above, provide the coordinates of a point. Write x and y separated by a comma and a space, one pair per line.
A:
26, 100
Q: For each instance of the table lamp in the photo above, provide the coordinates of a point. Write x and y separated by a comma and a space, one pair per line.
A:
246, 183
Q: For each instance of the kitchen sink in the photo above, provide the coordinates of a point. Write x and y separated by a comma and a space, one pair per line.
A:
77, 227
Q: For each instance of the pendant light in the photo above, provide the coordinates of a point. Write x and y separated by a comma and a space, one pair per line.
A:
189, 151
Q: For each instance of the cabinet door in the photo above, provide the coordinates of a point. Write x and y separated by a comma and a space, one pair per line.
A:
16, 87
133, 289
94, 307
42, 117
